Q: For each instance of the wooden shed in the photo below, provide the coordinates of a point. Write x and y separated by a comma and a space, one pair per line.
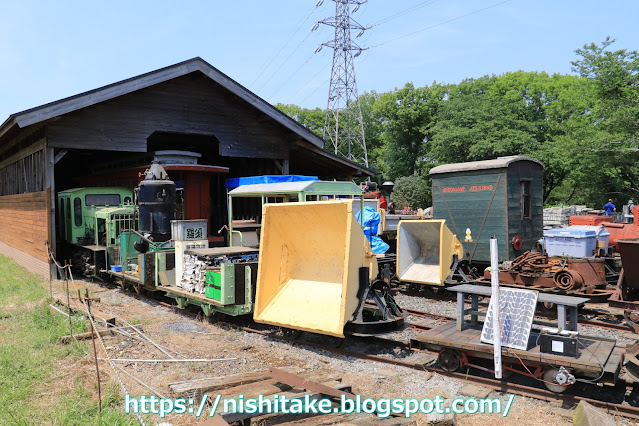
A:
481, 199
105, 136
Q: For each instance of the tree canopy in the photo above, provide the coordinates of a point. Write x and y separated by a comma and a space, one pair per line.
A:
584, 127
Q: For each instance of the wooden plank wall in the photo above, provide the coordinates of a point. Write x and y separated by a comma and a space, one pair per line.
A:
24, 172
531, 229
191, 104
24, 229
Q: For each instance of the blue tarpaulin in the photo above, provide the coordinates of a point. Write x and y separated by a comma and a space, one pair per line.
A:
371, 222
253, 180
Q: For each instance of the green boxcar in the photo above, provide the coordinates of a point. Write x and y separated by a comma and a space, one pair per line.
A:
481, 199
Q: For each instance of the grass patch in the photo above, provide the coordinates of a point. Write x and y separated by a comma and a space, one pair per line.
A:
30, 354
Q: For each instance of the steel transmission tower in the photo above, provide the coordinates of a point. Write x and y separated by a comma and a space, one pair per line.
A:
344, 128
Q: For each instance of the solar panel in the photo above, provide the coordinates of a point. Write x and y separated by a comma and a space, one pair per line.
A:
517, 310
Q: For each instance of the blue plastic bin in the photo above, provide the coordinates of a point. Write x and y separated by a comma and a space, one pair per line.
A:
571, 242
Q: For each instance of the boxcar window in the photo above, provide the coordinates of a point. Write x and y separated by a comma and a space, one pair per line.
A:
77, 212
525, 200
102, 200
69, 209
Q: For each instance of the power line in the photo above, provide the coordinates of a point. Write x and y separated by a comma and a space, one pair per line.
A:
307, 83
441, 23
402, 13
269, 62
287, 80
313, 92
285, 61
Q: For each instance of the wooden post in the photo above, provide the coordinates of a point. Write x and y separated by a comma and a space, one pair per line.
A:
49, 185
66, 281
494, 277
95, 353
460, 310
285, 167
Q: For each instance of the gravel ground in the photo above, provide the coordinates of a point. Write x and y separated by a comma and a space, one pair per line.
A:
187, 337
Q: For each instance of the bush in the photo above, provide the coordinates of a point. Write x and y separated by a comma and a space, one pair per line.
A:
413, 191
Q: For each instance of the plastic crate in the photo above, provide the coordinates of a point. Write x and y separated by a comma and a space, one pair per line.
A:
571, 242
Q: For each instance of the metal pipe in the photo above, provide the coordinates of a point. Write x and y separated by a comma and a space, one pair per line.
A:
494, 298
168, 360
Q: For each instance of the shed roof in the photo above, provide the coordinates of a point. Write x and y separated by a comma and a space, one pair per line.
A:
60, 107
101, 94
498, 163
283, 188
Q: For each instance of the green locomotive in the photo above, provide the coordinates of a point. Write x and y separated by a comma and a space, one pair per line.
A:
90, 221
134, 240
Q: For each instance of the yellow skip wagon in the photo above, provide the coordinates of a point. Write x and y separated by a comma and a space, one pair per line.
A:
426, 249
315, 270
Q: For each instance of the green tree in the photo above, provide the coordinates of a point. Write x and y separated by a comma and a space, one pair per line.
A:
406, 115
372, 127
475, 124
610, 166
313, 119
413, 191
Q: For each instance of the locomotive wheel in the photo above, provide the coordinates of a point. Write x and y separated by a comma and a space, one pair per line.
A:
449, 360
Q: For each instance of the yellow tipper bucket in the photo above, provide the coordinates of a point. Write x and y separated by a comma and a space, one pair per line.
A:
425, 250
308, 273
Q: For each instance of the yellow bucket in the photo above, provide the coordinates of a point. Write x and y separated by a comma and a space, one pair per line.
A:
310, 255
425, 250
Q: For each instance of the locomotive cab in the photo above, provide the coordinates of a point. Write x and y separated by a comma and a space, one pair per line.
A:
90, 220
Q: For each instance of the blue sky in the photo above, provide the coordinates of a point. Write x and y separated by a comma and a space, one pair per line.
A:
51, 50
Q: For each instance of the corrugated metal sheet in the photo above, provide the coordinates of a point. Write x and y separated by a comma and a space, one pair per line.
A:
498, 163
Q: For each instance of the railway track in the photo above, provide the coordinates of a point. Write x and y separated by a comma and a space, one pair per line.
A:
497, 385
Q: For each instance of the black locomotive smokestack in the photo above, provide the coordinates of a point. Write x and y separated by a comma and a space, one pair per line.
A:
156, 202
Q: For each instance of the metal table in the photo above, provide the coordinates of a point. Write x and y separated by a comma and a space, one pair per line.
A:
567, 306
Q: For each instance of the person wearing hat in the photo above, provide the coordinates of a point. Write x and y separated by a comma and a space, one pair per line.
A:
609, 208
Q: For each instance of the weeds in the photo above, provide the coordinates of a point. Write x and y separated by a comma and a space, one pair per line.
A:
30, 354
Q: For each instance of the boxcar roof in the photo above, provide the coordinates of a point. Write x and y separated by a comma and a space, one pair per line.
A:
498, 163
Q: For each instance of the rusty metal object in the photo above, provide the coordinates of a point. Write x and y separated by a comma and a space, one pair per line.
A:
566, 279
589, 219
632, 362
632, 319
536, 269
618, 231
629, 249
300, 382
